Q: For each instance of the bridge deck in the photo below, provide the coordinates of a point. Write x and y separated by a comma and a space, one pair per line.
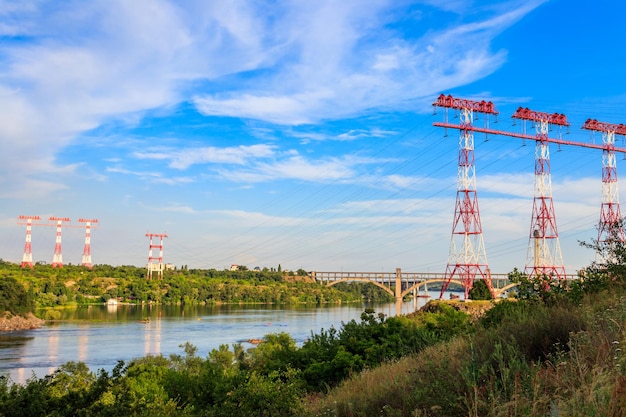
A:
407, 280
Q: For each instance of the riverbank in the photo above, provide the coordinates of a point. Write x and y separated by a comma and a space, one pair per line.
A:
9, 322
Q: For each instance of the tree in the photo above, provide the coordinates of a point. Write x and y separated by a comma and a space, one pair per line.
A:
480, 291
14, 298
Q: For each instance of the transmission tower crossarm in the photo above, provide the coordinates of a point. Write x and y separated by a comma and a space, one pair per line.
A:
593, 124
524, 113
524, 136
459, 104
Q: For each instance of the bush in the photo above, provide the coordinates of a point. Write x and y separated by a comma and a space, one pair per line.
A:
14, 298
480, 291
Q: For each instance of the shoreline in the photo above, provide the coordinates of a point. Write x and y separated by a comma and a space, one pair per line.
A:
10, 323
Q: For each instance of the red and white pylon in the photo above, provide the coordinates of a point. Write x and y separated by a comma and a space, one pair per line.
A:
467, 258
27, 257
155, 263
544, 257
57, 259
86, 260
610, 228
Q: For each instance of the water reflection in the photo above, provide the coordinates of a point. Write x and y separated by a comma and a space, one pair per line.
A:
53, 349
83, 342
101, 336
152, 336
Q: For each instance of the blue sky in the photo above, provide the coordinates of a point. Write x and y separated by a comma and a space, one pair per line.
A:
293, 132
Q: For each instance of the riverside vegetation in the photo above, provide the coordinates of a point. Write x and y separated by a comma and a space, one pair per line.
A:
46, 289
556, 350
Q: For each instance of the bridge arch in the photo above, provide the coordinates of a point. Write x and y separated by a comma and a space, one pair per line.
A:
365, 280
424, 283
390, 290
500, 291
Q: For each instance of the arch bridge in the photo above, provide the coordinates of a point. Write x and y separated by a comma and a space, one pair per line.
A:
399, 284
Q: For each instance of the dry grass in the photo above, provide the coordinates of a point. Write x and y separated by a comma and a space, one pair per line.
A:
586, 378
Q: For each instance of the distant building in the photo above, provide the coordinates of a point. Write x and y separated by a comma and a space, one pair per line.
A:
234, 267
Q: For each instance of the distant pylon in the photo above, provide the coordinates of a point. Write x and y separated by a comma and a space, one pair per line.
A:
544, 256
467, 258
57, 259
610, 228
86, 261
158, 265
27, 258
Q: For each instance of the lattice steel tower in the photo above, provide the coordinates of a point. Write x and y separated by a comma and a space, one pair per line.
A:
155, 264
467, 257
86, 260
610, 228
57, 259
27, 257
544, 257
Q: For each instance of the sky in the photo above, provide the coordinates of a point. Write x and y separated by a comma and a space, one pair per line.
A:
296, 133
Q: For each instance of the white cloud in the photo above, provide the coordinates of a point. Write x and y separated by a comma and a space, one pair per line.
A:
295, 167
232, 155
151, 176
341, 68
84, 64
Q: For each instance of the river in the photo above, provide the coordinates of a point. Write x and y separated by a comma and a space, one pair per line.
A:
102, 335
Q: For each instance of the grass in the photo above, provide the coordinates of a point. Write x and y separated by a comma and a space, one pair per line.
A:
523, 360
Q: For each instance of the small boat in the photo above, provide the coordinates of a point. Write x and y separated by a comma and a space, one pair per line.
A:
454, 297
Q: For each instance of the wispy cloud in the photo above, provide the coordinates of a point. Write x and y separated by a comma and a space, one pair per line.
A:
238, 155
85, 64
295, 167
342, 68
151, 176
350, 135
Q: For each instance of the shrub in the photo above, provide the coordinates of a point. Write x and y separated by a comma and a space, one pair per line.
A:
14, 297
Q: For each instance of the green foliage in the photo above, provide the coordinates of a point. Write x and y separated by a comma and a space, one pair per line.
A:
14, 298
547, 289
72, 285
480, 291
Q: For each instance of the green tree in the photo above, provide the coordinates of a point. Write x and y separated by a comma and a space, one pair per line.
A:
480, 291
14, 298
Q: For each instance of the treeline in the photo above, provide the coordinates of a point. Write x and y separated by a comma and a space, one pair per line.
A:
74, 285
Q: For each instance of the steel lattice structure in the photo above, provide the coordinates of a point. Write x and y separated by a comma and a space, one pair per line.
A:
544, 254
544, 257
467, 257
86, 260
610, 228
27, 258
155, 263
57, 259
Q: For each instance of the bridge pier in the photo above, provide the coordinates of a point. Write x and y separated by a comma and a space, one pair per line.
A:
398, 289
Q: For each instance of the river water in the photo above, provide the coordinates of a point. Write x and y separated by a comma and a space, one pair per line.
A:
102, 335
